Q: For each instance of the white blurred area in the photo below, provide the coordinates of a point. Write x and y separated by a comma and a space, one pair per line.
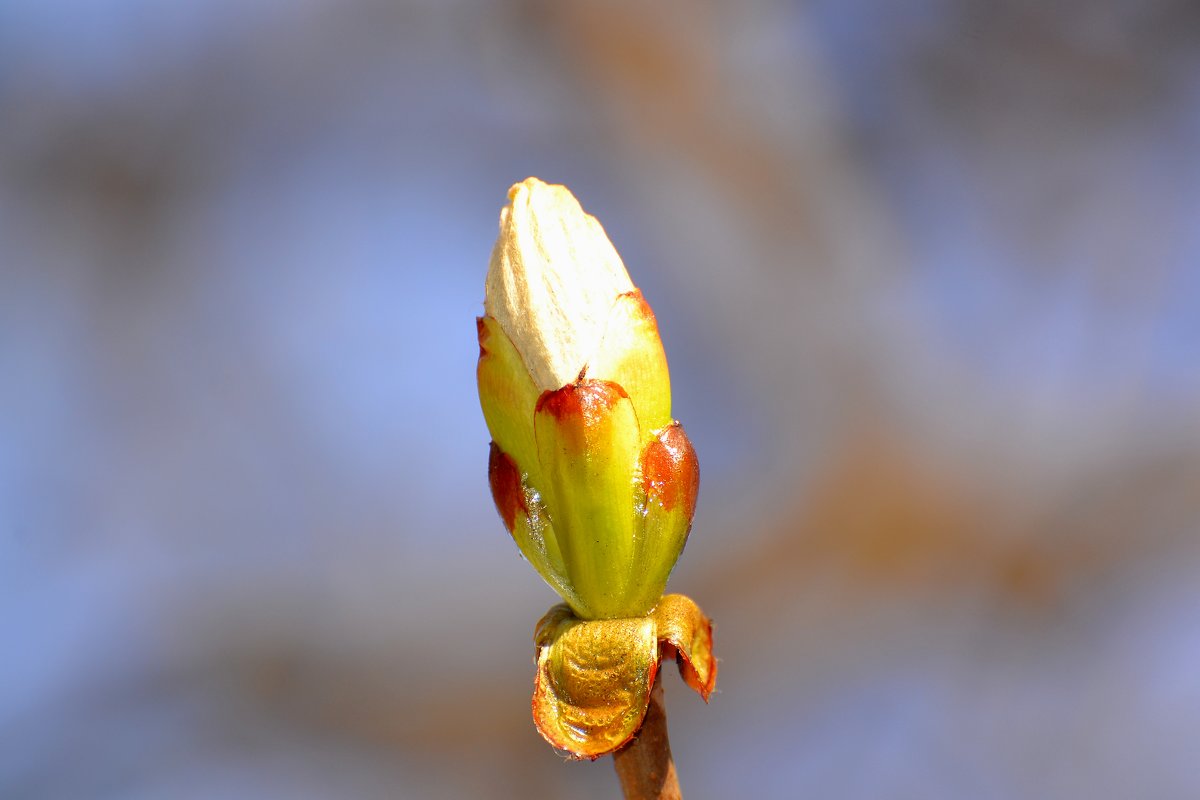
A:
927, 278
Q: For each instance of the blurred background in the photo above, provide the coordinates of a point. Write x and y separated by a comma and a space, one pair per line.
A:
927, 275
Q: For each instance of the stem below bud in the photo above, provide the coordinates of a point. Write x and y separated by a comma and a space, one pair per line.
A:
645, 765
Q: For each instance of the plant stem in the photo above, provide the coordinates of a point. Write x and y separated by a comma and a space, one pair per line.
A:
645, 766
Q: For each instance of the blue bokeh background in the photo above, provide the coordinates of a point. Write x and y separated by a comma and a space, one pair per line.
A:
927, 277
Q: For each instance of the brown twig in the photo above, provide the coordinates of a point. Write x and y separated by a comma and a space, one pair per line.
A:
645, 766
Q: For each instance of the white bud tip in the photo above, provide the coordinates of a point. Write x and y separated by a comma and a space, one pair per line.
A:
552, 281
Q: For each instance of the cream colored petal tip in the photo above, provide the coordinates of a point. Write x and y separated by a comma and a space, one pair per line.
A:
553, 278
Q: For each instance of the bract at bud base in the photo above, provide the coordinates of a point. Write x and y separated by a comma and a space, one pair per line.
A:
594, 677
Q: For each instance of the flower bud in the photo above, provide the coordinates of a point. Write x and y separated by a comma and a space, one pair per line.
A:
591, 476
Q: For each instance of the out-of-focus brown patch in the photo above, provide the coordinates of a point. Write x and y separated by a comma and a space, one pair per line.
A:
663, 84
505, 480
882, 512
885, 518
1030, 575
670, 471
